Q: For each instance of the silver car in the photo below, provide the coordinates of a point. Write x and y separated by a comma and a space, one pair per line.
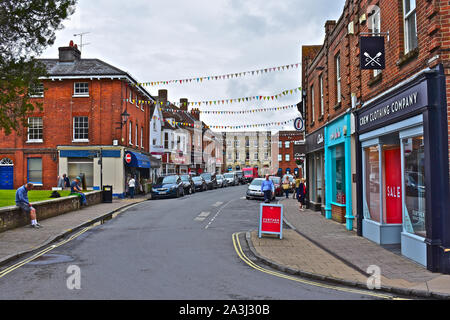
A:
254, 190
221, 181
231, 178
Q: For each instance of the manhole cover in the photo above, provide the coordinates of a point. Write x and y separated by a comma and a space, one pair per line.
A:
50, 259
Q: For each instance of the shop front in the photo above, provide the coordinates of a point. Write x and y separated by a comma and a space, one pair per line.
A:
338, 204
403, 177
315, 164
138, 166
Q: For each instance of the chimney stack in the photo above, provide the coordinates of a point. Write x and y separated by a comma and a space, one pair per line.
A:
70, 53
184, 104
329, 26
162, 97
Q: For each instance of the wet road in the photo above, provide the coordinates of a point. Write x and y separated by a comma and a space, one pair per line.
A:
162, 249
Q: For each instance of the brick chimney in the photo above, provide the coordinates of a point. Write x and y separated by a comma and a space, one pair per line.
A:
162, 97
70, 53
184, 103
195, 113
329, 26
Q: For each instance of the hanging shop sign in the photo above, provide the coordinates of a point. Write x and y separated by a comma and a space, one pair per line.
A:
372, 56
298, 124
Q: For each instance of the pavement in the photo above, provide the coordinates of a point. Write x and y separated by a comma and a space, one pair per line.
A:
19, 241
316, 247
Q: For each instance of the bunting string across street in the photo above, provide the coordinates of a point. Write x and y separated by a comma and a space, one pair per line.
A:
222, 77
243, 126
256, 110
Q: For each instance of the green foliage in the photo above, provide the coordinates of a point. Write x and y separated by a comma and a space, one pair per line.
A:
27, 27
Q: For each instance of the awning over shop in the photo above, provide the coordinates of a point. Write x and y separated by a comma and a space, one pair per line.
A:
137, 160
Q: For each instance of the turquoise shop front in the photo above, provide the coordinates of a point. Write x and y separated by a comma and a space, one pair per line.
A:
338, 182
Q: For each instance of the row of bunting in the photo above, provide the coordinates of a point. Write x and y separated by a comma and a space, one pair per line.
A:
244, 126
223, 101
229, 111
222, 77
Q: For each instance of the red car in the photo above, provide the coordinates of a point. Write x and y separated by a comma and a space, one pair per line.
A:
277, 184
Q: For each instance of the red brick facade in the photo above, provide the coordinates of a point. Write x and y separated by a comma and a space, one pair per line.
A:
103, 107
291, 137
342, 38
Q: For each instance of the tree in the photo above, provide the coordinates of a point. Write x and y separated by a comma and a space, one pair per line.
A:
27, 27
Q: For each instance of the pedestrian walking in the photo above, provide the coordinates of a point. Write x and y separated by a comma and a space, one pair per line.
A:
24, 204
302, 194
286, 185
66, 181
298, 181
267, 188
60, 183
75, 189
131, 187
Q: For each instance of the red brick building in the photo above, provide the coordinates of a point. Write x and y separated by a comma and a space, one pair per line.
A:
394, 124
291, 148
83, 102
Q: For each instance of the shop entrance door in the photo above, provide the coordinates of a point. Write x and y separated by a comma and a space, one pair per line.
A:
393, 186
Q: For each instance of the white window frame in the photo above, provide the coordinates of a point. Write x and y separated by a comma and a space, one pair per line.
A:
130, 133
280, 157
142, 137
337, 61
287, 157
411, 14
136, 139
287, 144
256, 156
74, 130
321, 95
375, 21
313, 116
37, 91
32, 126
77, 92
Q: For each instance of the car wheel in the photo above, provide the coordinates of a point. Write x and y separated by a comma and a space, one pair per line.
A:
248, 198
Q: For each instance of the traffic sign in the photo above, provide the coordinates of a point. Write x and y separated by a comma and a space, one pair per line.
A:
128, 158
298, 124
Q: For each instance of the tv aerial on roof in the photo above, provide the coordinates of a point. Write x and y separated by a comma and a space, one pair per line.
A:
81, 39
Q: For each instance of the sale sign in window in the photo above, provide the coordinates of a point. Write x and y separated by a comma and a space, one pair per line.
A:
393, 191
271, 219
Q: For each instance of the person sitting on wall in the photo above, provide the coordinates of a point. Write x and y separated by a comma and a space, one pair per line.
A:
24, 204
75, 189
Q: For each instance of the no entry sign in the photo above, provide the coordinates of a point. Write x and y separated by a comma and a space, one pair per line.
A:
128, 158
271, 219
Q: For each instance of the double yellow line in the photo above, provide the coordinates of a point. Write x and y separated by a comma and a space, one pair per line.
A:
240, 252
42, 252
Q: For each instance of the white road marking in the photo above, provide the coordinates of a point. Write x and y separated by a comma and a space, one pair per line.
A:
218, 212
202, 216
217, 204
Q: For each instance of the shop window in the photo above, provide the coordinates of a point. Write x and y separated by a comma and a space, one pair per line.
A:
410, 24
79, 167
319, 173
414, 182
339, 174
372, 183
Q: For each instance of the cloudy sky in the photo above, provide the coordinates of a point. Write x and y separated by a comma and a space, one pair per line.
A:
174, 39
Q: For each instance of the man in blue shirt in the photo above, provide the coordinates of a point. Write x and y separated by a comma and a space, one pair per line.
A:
267, 187
75, 189
23, 203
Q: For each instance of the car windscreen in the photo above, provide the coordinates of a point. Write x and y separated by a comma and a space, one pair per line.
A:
275, 180
229, 175
220, 177
171, 179
184, 178
196, 179
206, 176
256, 182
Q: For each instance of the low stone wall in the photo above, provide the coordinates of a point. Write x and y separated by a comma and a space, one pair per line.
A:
12, 217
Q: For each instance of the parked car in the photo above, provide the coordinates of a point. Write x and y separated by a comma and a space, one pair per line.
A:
210, 179
240, 177
277, 183
168, 186
199, 183
189, 187
221, 181
254, 190
250, 174
231, 178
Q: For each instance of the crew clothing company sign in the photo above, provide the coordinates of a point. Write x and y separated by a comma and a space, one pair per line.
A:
372, 53
392, 108
271, 219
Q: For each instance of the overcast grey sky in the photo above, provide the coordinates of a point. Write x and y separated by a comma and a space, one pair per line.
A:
174, 39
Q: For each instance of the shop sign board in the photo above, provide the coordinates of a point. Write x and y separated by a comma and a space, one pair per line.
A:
271, 219
372, 53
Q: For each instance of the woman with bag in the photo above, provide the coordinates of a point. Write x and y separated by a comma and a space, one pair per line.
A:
302, 194
286, 185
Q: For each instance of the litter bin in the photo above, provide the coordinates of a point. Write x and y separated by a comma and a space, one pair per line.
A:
107, 194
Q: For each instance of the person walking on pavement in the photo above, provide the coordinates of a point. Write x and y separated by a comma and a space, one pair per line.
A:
302, 194
75, 189
66, 181
267, 188
297, 188
131, 187
286, 185
24, 204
